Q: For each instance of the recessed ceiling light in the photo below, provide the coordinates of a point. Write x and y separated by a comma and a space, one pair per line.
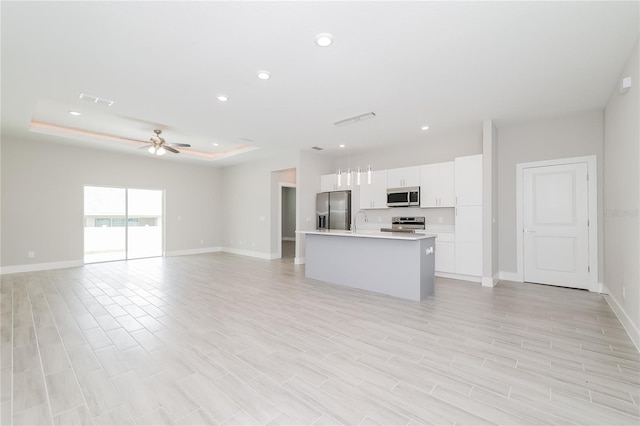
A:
342, 145
216, 144
76, 113
222, 98
263, 75
324, 39
424, 128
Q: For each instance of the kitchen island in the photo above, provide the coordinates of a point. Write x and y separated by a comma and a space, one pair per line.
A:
397, 264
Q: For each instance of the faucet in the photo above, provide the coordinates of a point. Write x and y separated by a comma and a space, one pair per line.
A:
355, 219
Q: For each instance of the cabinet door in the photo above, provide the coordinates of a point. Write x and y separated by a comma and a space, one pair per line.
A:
468, 180
429, 185
445, 257
468, 247
468, 224
446, 185
374, 195
468, 259
328, 182
406, 176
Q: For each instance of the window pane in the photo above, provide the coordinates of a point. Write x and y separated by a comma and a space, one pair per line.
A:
145, 223
104, 216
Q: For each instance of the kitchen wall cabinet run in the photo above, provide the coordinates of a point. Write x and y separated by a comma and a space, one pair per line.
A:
406, 176
437, 185
374, 195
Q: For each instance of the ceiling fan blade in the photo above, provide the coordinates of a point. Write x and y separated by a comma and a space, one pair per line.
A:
168, 148
184, 145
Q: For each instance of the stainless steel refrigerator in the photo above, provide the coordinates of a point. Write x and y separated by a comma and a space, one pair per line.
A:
333, 210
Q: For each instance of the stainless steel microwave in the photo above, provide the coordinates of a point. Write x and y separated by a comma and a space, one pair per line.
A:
403, 197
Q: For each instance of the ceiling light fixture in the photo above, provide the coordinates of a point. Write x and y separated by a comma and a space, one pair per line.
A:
75, 113
424, 128
222, 98
263, 75
342, 145
216, 144
355, 119
324, 39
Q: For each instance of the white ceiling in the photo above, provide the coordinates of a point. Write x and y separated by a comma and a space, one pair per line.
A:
442, 64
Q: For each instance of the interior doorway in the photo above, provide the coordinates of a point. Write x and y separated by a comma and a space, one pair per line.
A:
121, 223
288, 221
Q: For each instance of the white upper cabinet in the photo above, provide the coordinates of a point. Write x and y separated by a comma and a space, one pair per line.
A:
437, 185
328, 182
374, 195
468, 180
406, 176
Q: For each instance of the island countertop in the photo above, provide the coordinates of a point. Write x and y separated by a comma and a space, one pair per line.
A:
367, 233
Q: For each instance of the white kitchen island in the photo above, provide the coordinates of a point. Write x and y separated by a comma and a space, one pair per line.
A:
397, 264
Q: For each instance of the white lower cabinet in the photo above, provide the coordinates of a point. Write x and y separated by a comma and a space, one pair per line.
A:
468, 246
445, 253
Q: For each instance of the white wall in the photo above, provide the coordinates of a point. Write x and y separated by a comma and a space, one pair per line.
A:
250, 196
437, 146
622, 199
42, 199
572, 135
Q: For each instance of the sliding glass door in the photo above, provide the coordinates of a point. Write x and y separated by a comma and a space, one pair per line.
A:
122, 223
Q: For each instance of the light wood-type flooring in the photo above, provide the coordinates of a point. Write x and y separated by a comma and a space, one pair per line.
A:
226, 339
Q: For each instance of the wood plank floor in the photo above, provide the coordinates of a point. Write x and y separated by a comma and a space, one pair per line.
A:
225, 339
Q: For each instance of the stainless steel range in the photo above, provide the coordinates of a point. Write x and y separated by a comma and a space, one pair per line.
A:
406, 224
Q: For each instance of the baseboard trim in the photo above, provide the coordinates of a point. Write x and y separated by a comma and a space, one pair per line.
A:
193, 251
510, 276
299, 261
489, 281
459, 277
629, 326
34, 267
249, 253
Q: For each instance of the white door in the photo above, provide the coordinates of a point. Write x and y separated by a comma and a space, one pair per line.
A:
555, 219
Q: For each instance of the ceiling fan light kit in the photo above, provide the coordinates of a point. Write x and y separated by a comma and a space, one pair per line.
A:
159, 146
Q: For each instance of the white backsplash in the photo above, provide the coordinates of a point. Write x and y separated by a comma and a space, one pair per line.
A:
437, 219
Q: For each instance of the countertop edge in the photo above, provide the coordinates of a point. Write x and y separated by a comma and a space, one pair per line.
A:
369, 234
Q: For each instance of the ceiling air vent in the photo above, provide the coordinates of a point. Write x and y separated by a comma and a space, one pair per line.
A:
317, 148
96, 100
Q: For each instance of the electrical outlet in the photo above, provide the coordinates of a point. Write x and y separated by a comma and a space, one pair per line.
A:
440, 219
31, 255
379, 219
201, 242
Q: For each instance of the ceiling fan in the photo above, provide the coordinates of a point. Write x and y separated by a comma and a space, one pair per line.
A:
158, 146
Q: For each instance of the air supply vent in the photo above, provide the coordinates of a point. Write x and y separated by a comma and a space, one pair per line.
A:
317, 148
96, 99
